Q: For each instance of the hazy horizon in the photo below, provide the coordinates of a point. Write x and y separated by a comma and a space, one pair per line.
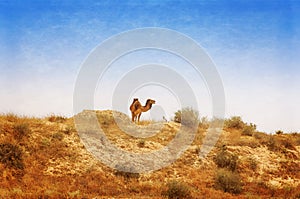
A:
254, 45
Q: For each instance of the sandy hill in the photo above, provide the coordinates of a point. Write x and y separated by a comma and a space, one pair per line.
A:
45, 158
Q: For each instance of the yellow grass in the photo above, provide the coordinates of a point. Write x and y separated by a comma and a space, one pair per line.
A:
56, 164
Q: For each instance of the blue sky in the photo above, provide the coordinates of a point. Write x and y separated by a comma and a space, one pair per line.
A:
255, 45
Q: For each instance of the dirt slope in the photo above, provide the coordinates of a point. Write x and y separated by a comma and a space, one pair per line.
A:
45, 158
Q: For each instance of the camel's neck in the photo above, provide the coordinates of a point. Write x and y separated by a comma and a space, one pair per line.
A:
147, 107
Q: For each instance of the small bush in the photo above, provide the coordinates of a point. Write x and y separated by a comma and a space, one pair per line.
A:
177, 190
58, 136
228, 181
11, 156
204, 123
68, 130
279, 132
287, 143
21, 130
272, 143
234, 122
127, 175
54, 118
187, 116
259, 135
252, 163
216, 122
141, 143
249, 130
225, 159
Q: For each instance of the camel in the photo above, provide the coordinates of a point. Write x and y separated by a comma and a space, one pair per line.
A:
133, 107
136, 114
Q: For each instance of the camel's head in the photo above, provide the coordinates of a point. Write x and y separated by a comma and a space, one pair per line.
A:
150, 101
135, 99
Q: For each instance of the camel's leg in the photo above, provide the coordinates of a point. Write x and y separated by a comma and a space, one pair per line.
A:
139, 115
132, 117
135, 116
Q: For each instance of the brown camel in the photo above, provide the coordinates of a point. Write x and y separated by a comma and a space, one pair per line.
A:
138, 112
133, 107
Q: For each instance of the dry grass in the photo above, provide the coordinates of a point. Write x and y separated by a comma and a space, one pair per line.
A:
44, 158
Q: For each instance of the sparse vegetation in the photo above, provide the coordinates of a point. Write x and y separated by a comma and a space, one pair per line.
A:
58, 136
21, 130
225, 159
141, 143
279, 132
177, 190
56, 118
11, 156
45, 159
234, 122
187, 116
228, 181
249, 130
204, 123
251, 163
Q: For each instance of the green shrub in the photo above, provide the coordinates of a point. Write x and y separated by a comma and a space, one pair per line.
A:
249, 130
55, 118
187, 116
58, 136
234, 122
271, 143
177, 190
11, 156
225, 159
228, 181
21, 130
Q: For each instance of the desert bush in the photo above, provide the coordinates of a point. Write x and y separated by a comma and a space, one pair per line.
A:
105, 119
279, 132
234, 122
249, 130
287, 143
260, 135
11, 117
228, 181
55, 118
252, 163
21, 130
68, 130
177, 190
216, 122
141, 143
127, 176
11, 156
58, 136
204, 123
270, 141
187, 116
246, 142
225, 159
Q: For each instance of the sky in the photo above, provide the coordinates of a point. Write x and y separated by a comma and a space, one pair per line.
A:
255, 46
